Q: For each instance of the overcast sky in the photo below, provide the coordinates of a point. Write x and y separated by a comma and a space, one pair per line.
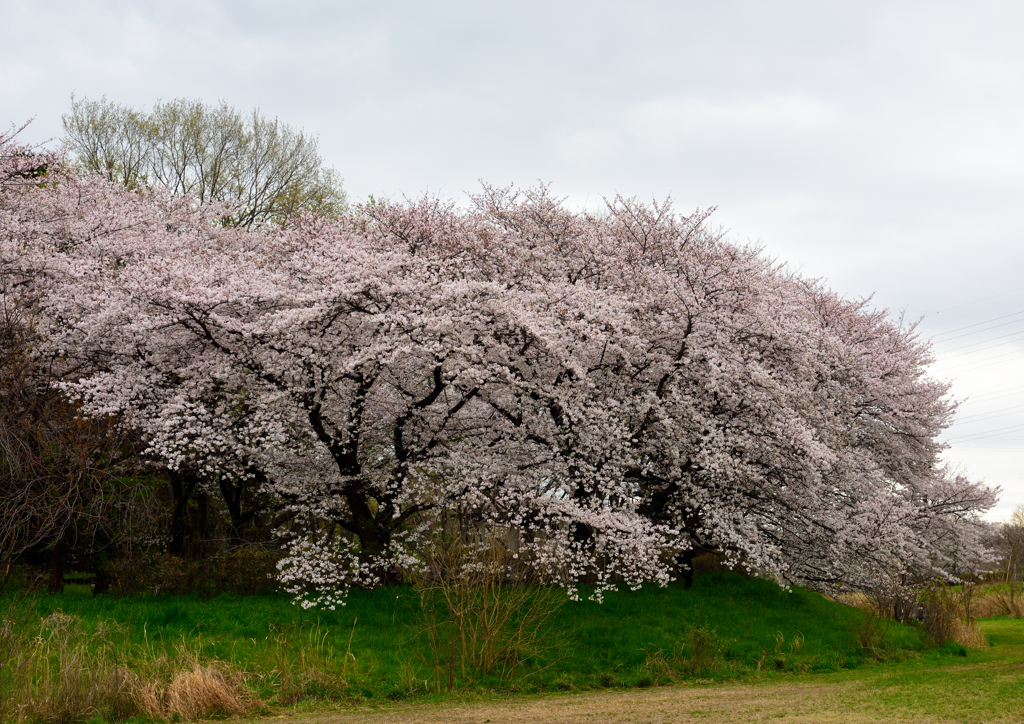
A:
879, 146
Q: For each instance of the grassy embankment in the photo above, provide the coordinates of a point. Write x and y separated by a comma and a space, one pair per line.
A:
374, 649
985, 686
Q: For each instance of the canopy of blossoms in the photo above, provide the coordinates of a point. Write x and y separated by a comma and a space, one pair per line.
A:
614, 391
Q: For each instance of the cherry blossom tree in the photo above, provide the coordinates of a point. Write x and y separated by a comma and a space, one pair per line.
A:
614, 390
761, 415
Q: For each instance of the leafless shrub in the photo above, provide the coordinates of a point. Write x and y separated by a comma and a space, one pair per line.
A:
64, 477
998, 599
893, 599
949, 615
1009, 543
480, 611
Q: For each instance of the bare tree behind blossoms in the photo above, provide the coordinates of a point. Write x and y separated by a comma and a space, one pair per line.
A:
264, 169
66, 481
615, 391
1009, 541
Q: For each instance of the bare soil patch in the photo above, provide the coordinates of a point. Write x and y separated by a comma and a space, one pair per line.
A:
790, 701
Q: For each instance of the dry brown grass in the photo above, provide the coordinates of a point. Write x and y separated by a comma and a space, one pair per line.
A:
857, 600
186, 687
204, 690
999, 601
58, 672
967, 633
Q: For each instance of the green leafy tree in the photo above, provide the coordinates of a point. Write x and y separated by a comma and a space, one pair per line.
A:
266, 170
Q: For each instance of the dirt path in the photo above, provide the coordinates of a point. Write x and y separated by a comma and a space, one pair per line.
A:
790, 701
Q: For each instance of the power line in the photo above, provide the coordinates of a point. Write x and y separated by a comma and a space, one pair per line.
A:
991, 413
979, 331
989, 433
1009, 391
977, 324
975, 301
946, 354
990, 448
1016, 411
985, 361
959, 371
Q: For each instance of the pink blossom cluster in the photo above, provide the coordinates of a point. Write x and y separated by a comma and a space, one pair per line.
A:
619, 388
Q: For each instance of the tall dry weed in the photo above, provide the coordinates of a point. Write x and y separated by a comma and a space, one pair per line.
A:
13, 654
305, 664
871, 633
1004, 599
699, 652
783, 654
57, 671
950, 615
479, 611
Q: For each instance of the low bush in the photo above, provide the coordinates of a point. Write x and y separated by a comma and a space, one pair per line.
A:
245, 570
699, 653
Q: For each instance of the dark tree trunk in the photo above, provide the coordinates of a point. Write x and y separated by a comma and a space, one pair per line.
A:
200, 532
182, 485
101, 565
684, 564
58, 564
374, 537
233, 497
102, 584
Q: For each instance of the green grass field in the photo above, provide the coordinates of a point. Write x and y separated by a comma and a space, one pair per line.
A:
984, 686
374, 648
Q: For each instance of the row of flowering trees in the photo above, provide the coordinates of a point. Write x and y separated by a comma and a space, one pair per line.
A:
614, 391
